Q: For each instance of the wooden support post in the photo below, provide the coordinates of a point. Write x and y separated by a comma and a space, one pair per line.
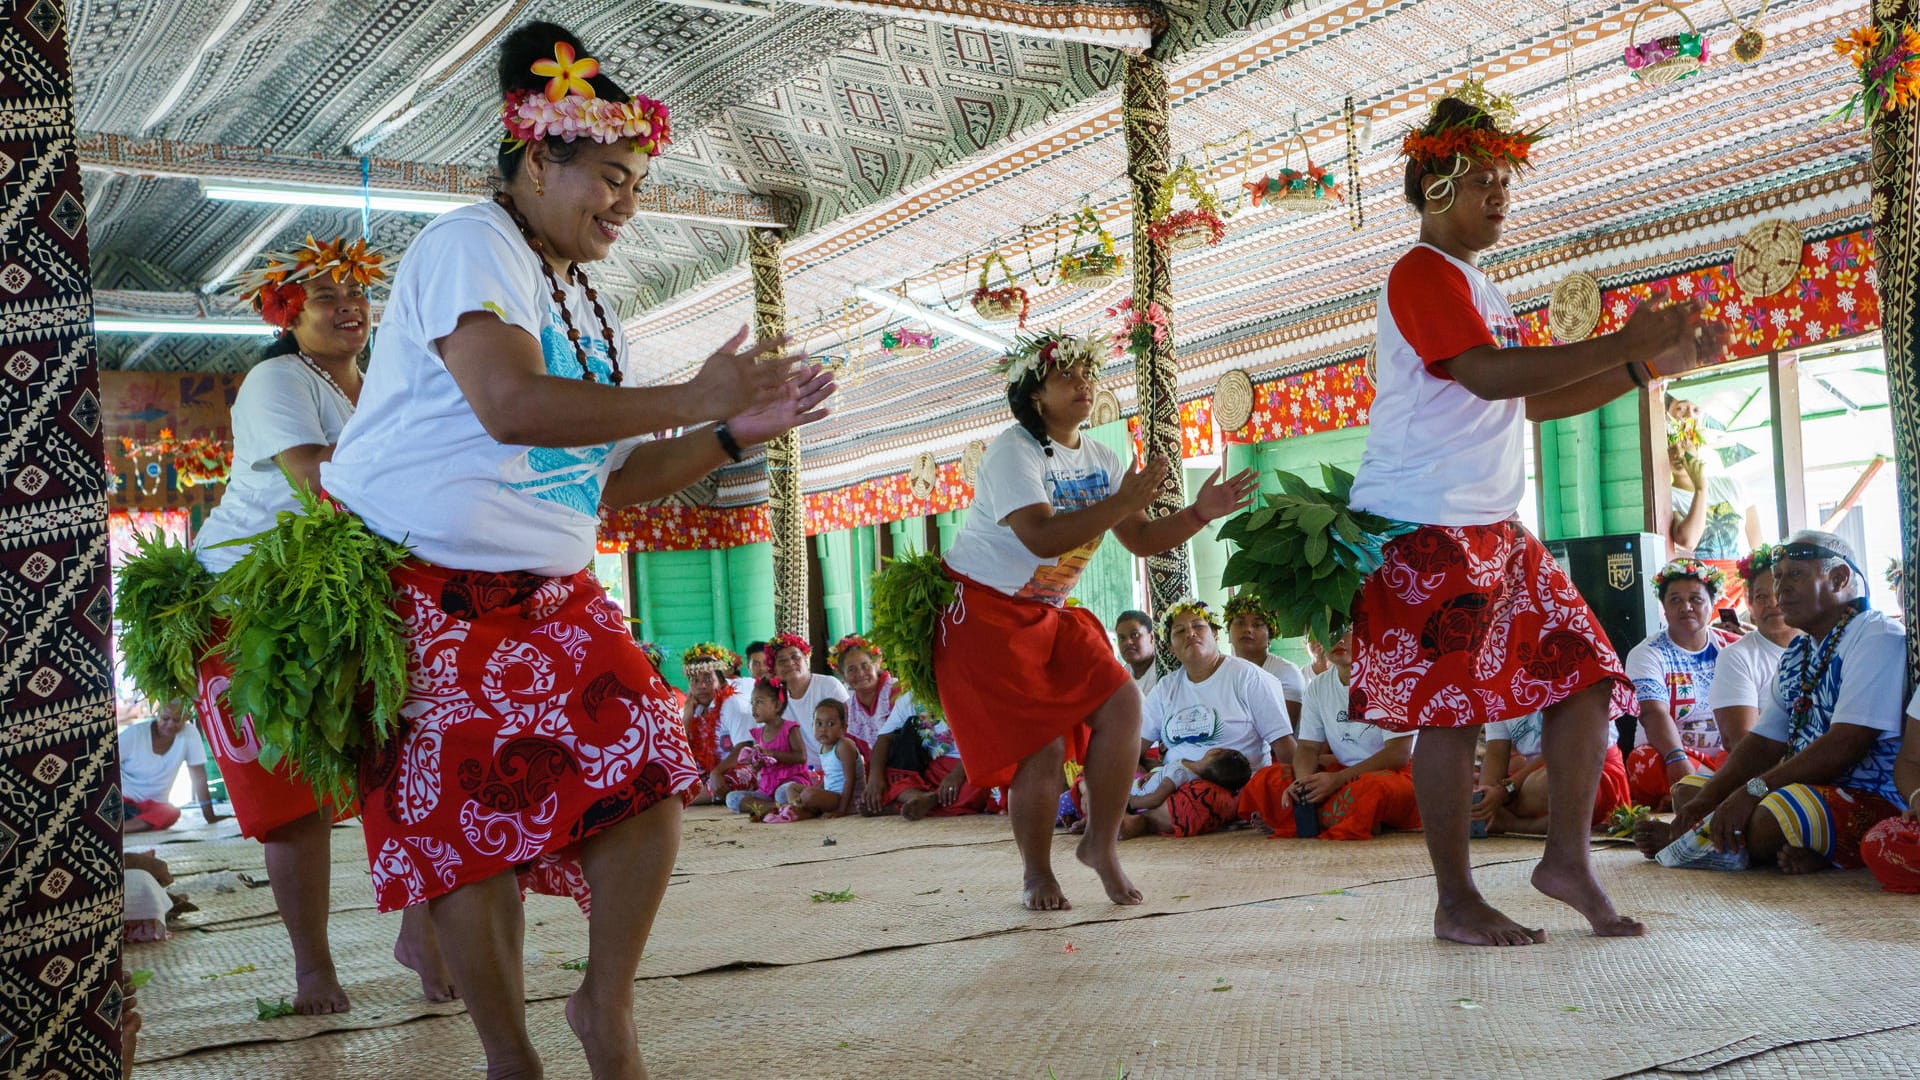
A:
1656, 486
1895, 136
784, 503
1789, 458
1144, 107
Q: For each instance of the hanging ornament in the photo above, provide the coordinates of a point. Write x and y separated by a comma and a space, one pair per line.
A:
1189, 227
1574, 308
1096, 265
902, 342
1767, 259
1356, 217
1666, 59
1751, 45
999, 305
1304, 190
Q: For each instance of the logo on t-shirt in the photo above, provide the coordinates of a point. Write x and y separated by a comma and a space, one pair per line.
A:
570, 477
1507, 332
1067, 492
1195, 725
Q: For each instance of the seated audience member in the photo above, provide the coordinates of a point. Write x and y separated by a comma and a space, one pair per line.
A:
777, 755
146, 901
860, 665
1672, 673
1213, 700
758, 666
151, 753
1189, 798
719, 721
916, 769
840, 772
1320, 662
1134, 632
1366, 787
1744, 673
1892, 848
1817, 770
787, 653
1250, 628
1512, 795
1713, 518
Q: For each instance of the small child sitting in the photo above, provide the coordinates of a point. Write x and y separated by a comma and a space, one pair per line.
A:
839, 759
1190, 798
778, 754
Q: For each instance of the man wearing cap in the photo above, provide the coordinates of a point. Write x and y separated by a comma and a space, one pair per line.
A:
1817, 770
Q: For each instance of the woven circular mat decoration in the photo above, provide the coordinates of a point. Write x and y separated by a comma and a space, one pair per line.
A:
970, 460
1767, 259
1106, 407
1233, 400
1574, 310
924, 474
1371, 363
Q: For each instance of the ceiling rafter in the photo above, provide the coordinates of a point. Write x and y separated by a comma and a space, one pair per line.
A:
1127, 25
103, 152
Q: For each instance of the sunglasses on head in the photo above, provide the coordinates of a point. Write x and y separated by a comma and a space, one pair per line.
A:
1812, 551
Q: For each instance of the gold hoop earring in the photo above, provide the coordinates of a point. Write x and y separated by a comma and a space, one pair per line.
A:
539, 188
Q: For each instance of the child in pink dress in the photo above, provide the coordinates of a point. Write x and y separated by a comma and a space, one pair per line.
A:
778, 753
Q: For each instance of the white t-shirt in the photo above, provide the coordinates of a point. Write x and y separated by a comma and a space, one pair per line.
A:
1293, 682
1744, 673
1682, 680
1861, 685
1323, 719
1723, 535
935, 735
736, 716
415, 462
283, 403
1146, 682
800, 710
1523, 732
1436, 454
147, 775
1239, 707
1016, 473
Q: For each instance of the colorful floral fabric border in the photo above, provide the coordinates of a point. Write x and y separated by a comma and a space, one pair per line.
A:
1324, 399
1198, 436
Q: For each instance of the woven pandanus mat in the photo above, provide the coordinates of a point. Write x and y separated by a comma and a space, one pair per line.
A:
1892, 1054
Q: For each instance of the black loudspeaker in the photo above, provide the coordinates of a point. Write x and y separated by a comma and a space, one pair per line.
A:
1615, 576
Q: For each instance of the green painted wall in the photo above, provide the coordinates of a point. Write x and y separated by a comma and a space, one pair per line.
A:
684, 597
1590, 475
846, 565
909, 536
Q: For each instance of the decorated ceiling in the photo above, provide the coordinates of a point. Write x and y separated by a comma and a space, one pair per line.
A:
903, 141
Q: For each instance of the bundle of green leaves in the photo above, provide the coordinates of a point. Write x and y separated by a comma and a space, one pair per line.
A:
1306, 552
164, 603
909, 595
319, 656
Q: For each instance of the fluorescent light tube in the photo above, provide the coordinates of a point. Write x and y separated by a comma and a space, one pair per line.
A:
338, 198
108, 324
902, 305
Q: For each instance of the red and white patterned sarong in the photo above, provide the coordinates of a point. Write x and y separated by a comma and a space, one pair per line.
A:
263, 799
1470, 624
532, 722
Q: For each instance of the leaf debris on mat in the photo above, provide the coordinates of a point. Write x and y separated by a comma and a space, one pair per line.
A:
272, 1010
840, 897
243, 969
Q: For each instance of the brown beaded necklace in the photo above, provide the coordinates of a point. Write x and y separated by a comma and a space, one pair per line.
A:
574, 272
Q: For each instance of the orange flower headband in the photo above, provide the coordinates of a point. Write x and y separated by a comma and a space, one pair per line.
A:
570, 109
1457, 145
277, 287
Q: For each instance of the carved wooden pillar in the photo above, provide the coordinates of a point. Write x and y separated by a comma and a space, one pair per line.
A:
785, 506
1896, 247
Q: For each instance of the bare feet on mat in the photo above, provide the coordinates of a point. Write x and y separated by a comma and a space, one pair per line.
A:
1476, 922
423, 957
607, 1035
1799, 860
915, 805
1651, 835
1577, 888
318, 992
1106, 863
1043, 894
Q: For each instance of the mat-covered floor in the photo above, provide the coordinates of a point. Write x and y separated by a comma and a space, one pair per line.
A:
1251, 958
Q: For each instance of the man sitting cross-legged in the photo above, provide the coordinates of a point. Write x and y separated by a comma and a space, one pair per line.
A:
1512, 794
1355, 775
1816, 772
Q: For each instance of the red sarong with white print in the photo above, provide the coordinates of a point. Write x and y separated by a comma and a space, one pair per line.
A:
263, 799
532, 722
1467, 624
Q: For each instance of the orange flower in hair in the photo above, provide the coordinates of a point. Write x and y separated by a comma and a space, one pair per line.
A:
567, 75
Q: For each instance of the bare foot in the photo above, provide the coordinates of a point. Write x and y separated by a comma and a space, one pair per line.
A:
1799, 860
607, 1035
1651, 835
1106, 863
1043, 894
915, 805
1577, 888
1476, 922
1078, 828
318, 992
421, 952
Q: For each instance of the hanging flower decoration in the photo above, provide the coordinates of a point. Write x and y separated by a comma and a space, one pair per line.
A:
1140, 329
1096, 266
905, 342
569, 76
1199, 225
1665, 59
195, 461
1887, 58
1309, 188
999, 305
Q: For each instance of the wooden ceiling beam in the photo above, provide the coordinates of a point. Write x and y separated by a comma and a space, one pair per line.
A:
101, 152
1126, 25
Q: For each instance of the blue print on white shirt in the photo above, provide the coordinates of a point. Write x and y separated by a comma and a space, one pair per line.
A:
1076, 492
570, 477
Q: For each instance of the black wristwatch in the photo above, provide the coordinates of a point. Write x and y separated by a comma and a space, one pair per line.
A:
727, 441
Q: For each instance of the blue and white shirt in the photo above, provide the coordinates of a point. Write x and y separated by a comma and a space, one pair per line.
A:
1861, 685
1664, 672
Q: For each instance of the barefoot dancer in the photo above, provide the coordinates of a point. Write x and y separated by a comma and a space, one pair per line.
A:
536, 737
287, 415
1469, 620
1025, 681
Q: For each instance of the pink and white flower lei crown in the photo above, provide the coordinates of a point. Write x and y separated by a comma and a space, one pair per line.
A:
569, 109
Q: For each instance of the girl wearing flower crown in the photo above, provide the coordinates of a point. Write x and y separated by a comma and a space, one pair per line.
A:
500, 414
1469, 620
1025, 681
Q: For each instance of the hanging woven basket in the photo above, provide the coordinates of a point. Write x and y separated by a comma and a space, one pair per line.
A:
999, 305
903, 342
1304, 190
1096, 266
1190, 227
1667, 59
